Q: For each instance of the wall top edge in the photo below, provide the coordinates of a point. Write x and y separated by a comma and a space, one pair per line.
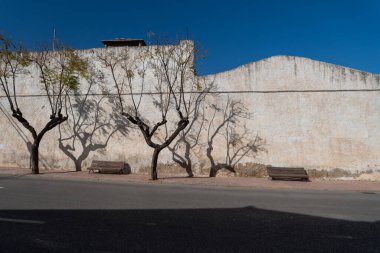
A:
289, 59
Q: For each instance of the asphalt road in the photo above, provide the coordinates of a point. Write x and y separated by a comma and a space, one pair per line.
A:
40, 215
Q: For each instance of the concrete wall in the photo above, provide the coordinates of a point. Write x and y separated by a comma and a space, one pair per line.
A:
325, 129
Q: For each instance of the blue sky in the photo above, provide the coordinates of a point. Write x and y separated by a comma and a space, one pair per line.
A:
236, 32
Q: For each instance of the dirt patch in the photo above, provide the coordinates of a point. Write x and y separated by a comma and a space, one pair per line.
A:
170, 169
244, 170
335, 173
252, 170
220, 181
260, 171
374, 176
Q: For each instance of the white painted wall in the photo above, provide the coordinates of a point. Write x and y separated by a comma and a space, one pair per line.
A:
317, 130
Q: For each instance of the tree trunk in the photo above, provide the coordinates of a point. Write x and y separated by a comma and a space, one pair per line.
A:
34, 159
213, 172
189, 169
188, 163
214, 168
78, 165
153, 172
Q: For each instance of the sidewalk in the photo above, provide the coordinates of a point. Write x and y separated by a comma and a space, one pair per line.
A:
246, 182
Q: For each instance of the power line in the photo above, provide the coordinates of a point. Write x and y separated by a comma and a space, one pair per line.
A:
211, 92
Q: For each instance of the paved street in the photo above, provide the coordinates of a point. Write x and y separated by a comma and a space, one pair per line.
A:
42, 215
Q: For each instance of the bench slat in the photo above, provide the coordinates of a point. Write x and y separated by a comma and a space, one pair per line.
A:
107, 166
295, 171
287, 173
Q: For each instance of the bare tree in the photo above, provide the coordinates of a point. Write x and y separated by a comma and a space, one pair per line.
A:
239, 142
90, 126
59, 72
172, 78
189, 138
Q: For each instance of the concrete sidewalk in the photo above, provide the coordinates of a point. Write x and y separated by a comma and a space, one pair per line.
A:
246, 182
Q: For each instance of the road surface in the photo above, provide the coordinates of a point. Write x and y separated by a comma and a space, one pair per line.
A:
42, 215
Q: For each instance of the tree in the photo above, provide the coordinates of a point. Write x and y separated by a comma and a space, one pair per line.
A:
238, 142
59, 73
90, 126
170, 71
189, 138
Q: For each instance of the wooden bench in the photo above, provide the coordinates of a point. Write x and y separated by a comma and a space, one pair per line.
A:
287, 173
107, 167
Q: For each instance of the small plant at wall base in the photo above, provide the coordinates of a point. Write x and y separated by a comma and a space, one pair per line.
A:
59, 73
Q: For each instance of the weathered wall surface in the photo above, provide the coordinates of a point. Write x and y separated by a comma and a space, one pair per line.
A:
324, 129
316, 125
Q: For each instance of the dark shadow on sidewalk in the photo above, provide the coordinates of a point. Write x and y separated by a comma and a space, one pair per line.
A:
182, 230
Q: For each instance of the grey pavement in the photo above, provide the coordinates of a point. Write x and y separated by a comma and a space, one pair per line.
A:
47, 215
36, 193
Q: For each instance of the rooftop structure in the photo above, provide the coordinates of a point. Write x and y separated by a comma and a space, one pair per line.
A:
122, 42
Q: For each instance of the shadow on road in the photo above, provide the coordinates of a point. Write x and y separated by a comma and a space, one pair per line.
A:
8, 177
181, 230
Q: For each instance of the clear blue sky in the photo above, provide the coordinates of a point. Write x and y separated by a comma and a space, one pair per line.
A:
234, 32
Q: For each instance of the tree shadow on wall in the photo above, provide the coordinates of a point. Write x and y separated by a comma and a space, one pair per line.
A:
24, 136
93, 120
225, 122
229, 122
189, 138
245, 229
